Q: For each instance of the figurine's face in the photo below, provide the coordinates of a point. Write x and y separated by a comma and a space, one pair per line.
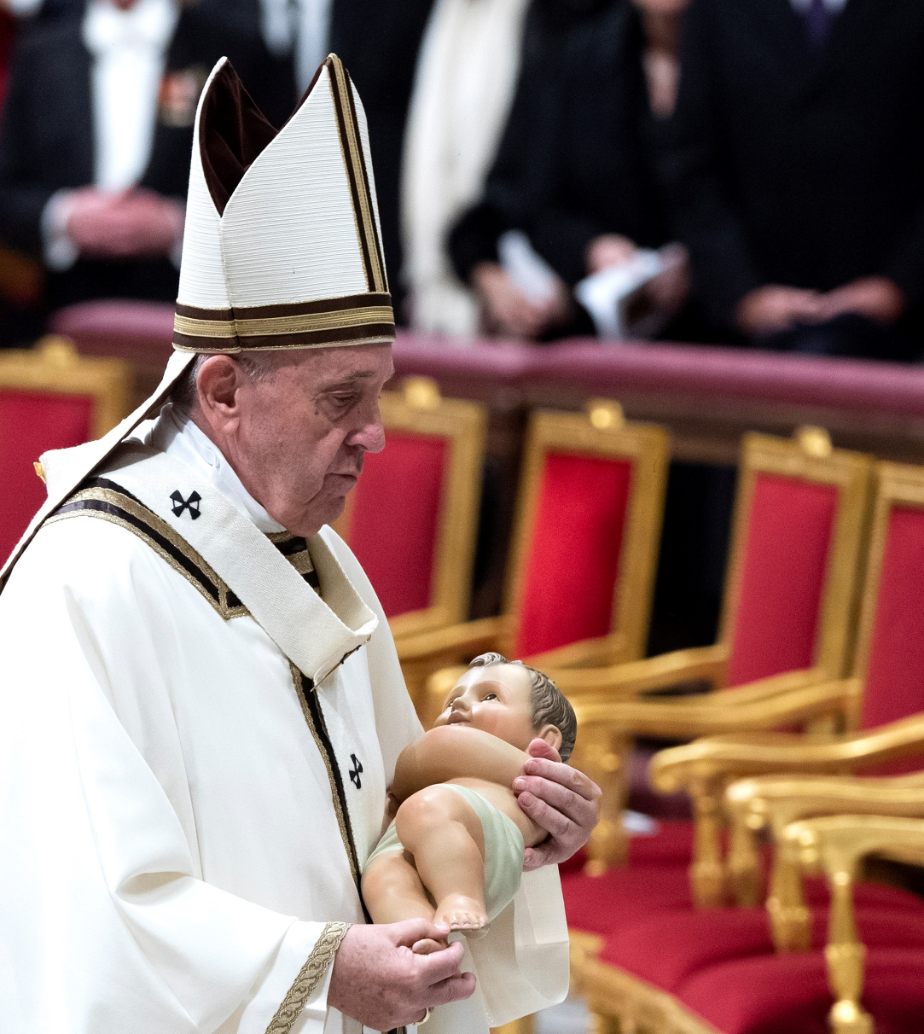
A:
496, 699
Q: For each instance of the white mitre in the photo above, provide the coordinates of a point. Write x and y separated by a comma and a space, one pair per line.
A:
281, 250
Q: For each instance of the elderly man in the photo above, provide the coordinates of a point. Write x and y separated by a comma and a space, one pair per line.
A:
202, 702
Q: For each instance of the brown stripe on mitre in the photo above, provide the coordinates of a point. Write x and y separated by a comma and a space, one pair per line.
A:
354, 162
349, 320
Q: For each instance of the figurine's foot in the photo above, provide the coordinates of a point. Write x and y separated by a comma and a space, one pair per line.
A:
462, 913
428, 945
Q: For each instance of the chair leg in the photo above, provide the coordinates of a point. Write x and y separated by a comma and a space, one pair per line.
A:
845, 957
605, 759
790, 920
744, 866
707, 873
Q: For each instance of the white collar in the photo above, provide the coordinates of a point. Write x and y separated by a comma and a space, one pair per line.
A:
147, 25
180, 438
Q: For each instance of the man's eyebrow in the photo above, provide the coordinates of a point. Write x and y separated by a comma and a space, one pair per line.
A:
351, 379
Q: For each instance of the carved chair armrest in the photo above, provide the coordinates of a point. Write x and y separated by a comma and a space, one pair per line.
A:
836, 845
455, 642
756, 753
650, 675
604, 651
776, 801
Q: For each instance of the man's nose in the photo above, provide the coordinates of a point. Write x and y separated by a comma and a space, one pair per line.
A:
370, 437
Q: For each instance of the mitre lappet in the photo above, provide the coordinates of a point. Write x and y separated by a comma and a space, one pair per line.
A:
281, 249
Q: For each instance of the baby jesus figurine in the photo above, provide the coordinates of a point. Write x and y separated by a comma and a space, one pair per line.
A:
454, 852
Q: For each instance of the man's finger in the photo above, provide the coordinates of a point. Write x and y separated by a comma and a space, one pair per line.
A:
441, 965
453, 989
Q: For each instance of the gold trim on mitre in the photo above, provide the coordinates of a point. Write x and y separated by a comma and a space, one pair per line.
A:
358, 319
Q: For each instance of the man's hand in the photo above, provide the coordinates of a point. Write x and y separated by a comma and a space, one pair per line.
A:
506, 310
769, 309
876, 297
560, 799
379, 980
125, 224
608, 250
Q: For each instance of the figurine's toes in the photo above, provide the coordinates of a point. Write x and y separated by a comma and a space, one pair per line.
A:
461, 913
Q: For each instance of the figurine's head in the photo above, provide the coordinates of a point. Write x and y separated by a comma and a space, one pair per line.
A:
513, 701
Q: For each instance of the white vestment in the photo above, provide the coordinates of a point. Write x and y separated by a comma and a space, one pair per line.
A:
184, 812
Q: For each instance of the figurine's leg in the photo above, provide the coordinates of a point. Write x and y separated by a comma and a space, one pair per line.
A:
440, 829
392, 890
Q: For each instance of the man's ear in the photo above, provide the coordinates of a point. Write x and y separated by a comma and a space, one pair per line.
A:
552, 735
217, 386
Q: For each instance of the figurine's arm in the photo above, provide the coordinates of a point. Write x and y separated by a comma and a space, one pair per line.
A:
453, 751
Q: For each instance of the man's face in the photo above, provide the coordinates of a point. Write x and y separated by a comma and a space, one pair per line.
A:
302, 433
496, 699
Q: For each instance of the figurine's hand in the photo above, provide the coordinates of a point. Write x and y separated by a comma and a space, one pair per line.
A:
381, 981
560, 799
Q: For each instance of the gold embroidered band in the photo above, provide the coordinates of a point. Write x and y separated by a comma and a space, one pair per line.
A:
363, 208
357, 319
308, 979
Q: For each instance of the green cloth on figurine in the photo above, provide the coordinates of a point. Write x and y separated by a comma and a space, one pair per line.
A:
503, 850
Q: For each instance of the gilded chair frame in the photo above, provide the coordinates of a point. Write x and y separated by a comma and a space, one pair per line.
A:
808, 457
418, 408
707, 766
55, 367
620, 702
897, 484
599, 431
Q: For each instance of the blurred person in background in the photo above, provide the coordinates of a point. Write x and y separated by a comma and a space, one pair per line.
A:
662, 20
95, 137
466, 74
797, 173
573, 174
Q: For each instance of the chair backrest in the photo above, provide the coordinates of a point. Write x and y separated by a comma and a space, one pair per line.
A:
890, 642
794, 563
586, 531
50, 398
413, 516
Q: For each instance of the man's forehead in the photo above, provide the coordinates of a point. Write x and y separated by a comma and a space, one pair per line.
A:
328, 366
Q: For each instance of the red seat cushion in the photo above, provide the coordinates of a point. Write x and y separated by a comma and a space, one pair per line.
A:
608, 903
666, 950
789, 994
601, 904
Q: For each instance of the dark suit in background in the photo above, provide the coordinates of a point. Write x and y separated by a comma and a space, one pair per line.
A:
573, 163
46, 139
379, 43
803, 166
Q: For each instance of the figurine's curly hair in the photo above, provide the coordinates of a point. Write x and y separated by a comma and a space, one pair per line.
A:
550, 705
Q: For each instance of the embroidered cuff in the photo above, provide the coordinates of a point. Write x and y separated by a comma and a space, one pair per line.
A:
309, 977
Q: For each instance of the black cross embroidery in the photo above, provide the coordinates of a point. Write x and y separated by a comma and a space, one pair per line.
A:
180, 504
355, 772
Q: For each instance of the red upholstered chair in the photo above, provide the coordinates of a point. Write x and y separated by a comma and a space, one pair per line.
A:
583, 550
721, 967
50, 398
787, 618
413, 516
